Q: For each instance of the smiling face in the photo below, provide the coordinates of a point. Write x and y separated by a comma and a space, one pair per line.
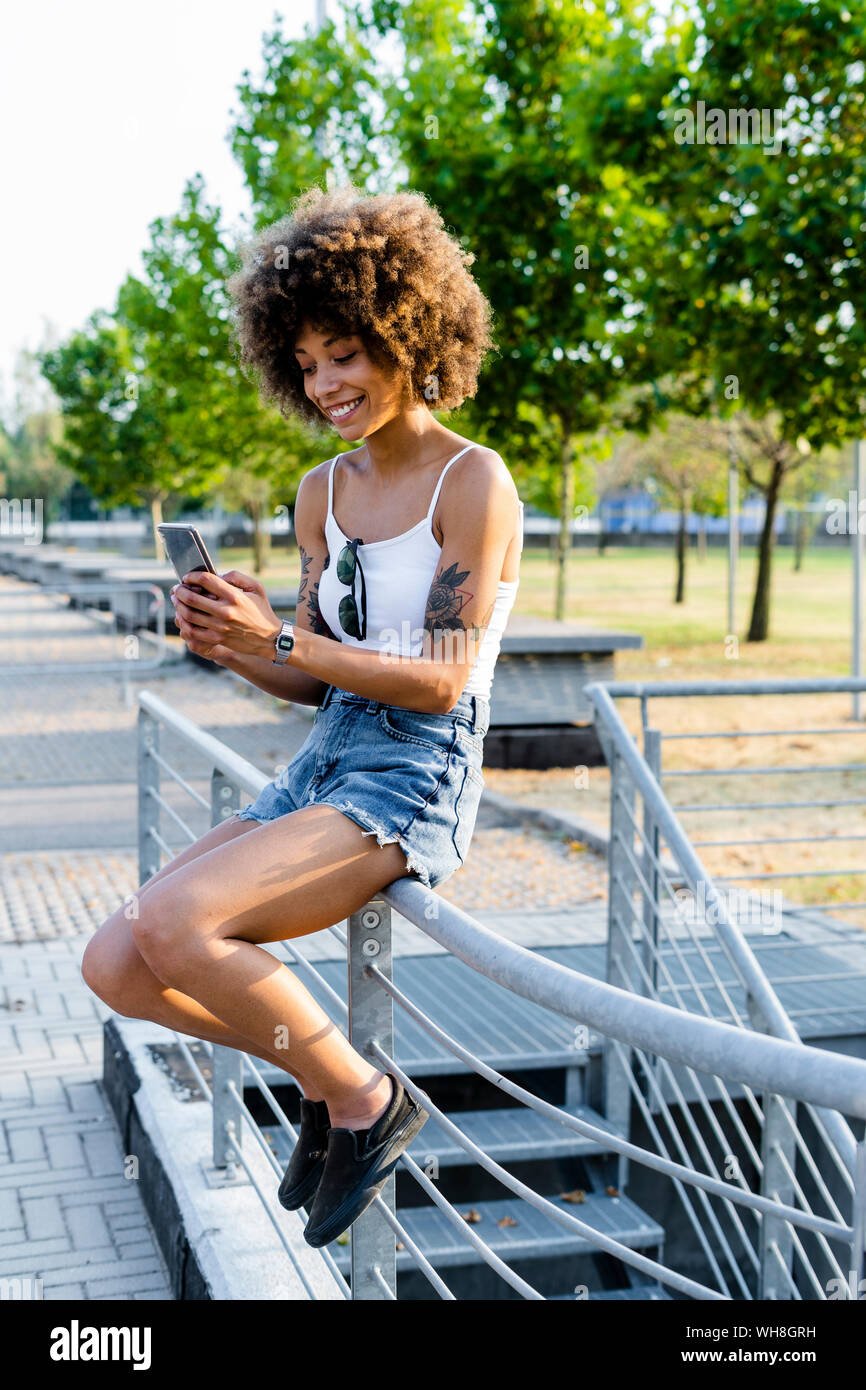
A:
357, 395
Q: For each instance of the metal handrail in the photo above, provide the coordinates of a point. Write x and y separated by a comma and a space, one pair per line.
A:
121, 666
781, 1065
785, 1067
805, 685
664, 817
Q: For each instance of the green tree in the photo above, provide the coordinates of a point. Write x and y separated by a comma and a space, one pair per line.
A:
155, 404
239, 448
29, 439
760, 280
487, 110
114, 438
687, 459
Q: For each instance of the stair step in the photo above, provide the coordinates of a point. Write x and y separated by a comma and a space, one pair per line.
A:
509, 1136
505, 1030
534, 1235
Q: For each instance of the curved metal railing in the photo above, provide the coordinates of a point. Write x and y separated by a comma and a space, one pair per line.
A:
660, 1060
674, 932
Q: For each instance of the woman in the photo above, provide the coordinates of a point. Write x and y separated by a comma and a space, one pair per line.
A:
359, 312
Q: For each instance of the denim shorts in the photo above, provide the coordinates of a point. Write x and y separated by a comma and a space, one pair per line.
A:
399, 774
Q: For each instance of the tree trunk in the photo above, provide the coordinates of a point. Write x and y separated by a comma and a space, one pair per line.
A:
800, 537
682, 543
759, 626
156, 520
566, 513
260, 539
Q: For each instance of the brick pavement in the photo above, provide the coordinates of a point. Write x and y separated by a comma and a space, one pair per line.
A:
68, 1215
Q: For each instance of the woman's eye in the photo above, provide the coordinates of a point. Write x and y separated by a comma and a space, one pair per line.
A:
305, 371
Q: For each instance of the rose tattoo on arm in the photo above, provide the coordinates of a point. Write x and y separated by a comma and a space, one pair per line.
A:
314, 615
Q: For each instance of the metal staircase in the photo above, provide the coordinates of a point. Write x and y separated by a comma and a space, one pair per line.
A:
537, 1049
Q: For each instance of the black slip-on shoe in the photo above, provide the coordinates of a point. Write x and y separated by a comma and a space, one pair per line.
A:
357, 1166
307, 1162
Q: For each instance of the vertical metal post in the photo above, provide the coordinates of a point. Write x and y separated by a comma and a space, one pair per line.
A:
733, 530
223, 796
857, 572
228, 1062
148, 808
778, 1143
620, 966
126, 688
371, 1017
653, 755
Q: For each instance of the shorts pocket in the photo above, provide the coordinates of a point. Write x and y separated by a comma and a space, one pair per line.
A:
432, 731
468, 800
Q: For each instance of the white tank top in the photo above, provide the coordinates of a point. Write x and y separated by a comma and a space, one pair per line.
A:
398, 574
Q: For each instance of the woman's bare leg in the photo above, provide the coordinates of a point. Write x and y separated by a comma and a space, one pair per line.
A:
115, 969
200, 931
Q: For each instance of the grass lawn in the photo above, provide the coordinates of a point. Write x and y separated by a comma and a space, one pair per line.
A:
632, 589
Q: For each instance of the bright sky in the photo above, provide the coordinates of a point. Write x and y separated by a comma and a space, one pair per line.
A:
106, 109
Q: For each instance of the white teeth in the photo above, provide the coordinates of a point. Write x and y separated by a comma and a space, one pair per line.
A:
339, 411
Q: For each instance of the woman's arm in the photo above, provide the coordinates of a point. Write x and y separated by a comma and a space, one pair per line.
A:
478, 517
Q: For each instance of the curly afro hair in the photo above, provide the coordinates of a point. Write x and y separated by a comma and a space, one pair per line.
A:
382, 267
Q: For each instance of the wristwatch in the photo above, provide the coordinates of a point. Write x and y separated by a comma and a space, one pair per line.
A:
284, 642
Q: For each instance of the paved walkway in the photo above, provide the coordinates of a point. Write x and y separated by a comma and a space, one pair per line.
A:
68, 809
68, 1213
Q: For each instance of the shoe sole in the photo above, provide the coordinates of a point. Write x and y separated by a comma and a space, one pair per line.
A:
350, 1208
291, 1201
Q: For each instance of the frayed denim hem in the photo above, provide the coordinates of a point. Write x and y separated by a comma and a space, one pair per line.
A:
384, 837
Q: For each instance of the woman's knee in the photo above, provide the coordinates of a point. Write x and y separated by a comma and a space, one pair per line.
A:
113, 968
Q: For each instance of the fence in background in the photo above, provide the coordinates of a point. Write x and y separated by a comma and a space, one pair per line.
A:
117, 616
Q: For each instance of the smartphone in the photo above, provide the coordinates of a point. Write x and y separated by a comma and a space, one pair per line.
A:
185, 550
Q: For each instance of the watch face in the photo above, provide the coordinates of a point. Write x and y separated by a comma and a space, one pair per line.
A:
285, 642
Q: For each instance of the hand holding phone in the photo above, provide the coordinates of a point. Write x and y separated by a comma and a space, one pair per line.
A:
245, 625
185, 550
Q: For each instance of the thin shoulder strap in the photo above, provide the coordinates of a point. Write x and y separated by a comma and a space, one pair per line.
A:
442, 475
331, 487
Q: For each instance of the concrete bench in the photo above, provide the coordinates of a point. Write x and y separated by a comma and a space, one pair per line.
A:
133, 606
539, 715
